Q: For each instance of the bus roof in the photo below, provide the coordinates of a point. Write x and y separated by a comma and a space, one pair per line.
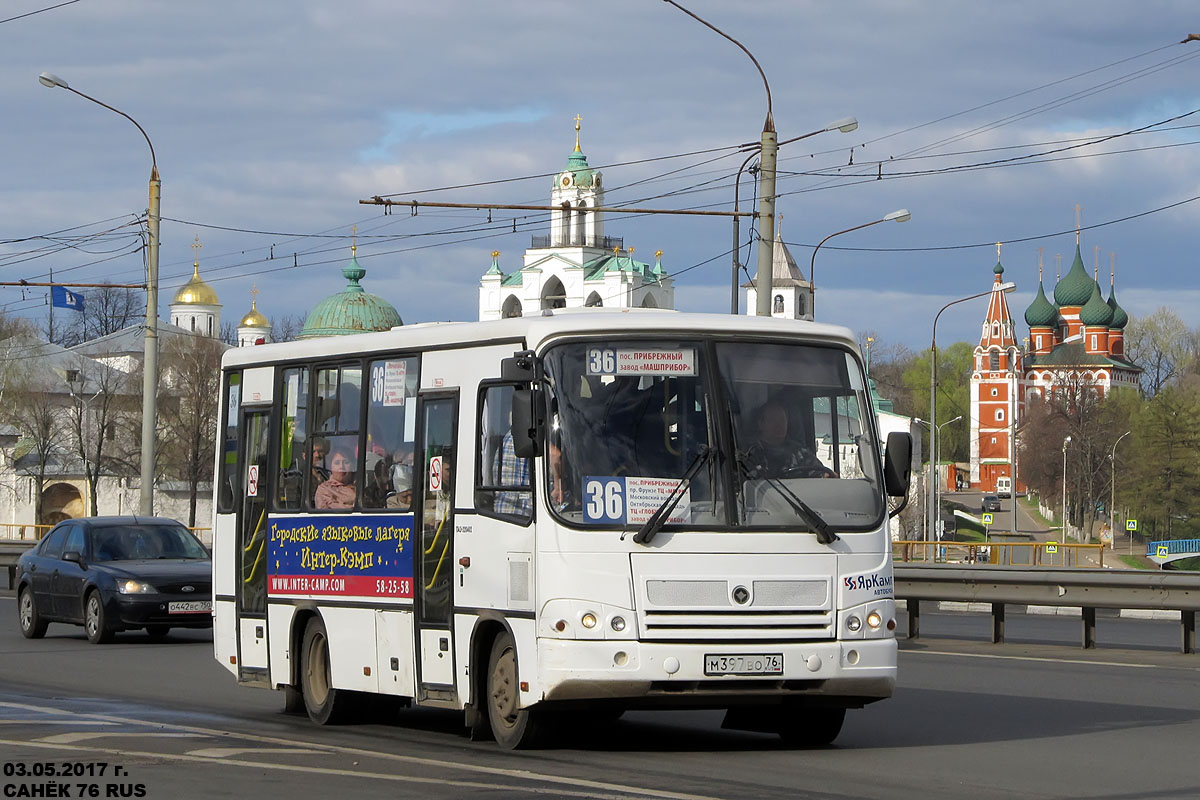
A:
536, 331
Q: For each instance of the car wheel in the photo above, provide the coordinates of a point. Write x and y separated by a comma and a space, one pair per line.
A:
513, 727
94, 621
325, 704
158, 631
32, 624
810, 727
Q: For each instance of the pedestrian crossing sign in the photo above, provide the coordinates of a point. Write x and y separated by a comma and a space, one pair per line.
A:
1051, 547
1131, 524
987, 519
1163, 551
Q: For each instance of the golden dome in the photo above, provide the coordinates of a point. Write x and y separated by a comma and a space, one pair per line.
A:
196, 292
254, 319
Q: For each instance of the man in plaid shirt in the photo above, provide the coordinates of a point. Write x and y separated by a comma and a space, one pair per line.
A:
512, 471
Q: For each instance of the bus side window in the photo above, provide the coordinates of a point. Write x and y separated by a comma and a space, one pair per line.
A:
391, 430
293, 456
502, 480
228, 485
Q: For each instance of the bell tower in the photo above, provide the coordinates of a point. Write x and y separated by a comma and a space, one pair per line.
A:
995, 390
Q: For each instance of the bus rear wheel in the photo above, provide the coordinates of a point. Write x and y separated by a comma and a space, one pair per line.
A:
325, 704
513, 727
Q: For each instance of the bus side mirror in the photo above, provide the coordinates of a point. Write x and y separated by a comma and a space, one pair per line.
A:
528, 421
897, 464
523, 367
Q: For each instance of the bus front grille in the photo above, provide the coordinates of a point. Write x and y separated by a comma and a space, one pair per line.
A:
731, 624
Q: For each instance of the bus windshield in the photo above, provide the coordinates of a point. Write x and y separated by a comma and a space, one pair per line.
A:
788, 426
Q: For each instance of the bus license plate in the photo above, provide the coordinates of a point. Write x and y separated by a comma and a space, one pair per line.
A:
759, 664
190, 607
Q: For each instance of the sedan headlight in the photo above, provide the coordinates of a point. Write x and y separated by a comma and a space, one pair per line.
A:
135, 587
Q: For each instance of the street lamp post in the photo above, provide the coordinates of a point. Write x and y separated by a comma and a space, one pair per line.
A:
150, 359
768, 152
845, 125
900, 215
1066, 442
1112, 495
933, 484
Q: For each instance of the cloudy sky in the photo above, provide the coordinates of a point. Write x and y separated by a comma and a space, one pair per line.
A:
271, 120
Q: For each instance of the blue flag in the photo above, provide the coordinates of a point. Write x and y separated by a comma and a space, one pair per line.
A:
61, 297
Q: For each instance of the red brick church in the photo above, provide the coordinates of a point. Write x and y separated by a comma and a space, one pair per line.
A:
1078, 339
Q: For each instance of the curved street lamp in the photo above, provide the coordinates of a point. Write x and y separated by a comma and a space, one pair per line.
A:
150, 360
1112, 495
844, 125
1066, 442
900, 215
933, 484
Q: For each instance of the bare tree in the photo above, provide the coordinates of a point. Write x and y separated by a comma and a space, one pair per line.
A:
188, 411
36, 411
286, 328
102, 396
1161, 345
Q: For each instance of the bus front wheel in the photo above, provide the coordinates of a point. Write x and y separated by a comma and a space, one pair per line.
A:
512, 726
325, 704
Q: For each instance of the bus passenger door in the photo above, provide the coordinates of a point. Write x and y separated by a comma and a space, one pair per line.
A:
434, 579
253, 548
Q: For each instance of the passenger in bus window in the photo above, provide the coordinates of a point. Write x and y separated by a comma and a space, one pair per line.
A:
402, 475
512, 471
338, 491
379, 481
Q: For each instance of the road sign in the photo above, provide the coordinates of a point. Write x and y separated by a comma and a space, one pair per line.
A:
987, 519
1131, 524
1163, 551
1051, 547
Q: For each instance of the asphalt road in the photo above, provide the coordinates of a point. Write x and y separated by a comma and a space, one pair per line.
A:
1036, 718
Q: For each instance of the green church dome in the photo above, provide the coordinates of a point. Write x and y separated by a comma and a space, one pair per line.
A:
1120, 318
1041, 313
353, 310
1076, 286
1095, 311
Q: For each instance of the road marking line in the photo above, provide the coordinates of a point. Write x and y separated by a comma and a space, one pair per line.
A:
519, 774
71, 738
621, 792
1038, 658
225, 752
29, 720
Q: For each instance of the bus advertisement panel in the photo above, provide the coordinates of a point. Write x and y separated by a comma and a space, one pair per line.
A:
358, 555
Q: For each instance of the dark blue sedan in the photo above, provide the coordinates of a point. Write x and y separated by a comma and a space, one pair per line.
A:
112, 574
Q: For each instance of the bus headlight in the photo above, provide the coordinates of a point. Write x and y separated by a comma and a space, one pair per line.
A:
853, 624
588, 620
874, 620
617, 624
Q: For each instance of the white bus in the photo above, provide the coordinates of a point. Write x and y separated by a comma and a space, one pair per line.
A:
688, 511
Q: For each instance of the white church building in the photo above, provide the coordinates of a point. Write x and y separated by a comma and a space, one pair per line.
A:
576, 265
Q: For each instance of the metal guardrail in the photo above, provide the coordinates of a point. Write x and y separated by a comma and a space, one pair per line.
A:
23, 531
999, 553
9, 553
1088, 589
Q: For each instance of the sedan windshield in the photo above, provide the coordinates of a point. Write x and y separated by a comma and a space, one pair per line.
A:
137, 542
788, 427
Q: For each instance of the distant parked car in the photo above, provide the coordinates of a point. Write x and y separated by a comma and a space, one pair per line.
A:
110, 574
991, 503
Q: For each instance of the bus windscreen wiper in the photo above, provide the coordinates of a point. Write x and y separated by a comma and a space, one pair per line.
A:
659, 518
820, 527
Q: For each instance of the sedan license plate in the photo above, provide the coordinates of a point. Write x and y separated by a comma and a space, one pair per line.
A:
757, 664
190, 607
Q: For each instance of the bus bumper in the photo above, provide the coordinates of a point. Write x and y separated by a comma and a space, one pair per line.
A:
672, 674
